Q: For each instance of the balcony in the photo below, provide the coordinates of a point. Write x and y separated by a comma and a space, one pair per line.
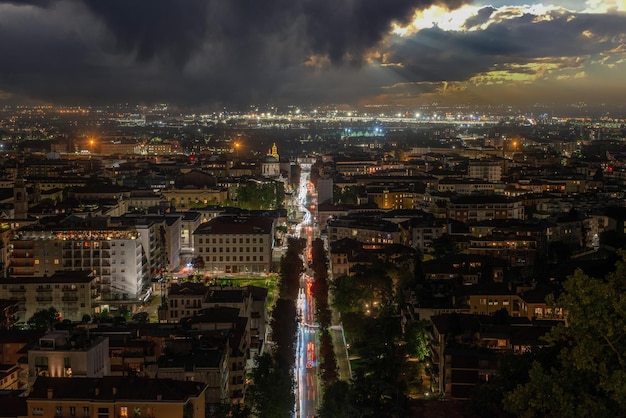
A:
44, 298
17, 290
44, 289
70, 299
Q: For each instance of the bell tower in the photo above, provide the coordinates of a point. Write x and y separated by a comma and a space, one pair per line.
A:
20, 197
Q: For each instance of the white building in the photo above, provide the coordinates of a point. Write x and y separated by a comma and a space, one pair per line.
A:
60, 355
116, 255
235, 244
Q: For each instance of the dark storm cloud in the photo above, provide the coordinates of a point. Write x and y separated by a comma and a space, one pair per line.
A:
195, 50
344, 29
438, 55
481, 17
155, 27
237, 51
198, 50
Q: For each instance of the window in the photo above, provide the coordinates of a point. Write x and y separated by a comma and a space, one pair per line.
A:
85, 411
123, 412
103, 412
58, 411
72, 411
56, 261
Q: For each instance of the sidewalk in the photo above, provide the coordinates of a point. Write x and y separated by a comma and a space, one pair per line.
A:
343, 364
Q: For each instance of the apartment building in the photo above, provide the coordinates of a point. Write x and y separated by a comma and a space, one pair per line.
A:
73, 293
487, 170
59, 354
113, 396
235, 244
470, 209
368, 230
116, 255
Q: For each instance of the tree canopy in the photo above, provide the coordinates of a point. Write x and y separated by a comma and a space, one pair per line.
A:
260, 196
587, 376
44, 319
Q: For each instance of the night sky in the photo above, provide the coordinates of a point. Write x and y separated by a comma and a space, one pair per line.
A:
235, 52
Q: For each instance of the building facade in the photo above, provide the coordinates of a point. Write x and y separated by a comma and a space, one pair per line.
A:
235, 244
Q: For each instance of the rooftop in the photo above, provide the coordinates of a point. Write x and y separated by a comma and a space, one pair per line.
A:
115, 387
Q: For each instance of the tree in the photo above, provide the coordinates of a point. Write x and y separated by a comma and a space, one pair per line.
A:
444, 246
417, 339
272, 392
260, 196
284, 328
291, 267
337, 402
141, 317
588, 376
44, 319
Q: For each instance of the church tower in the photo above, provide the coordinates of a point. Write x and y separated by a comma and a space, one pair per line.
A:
20, 197
273, 152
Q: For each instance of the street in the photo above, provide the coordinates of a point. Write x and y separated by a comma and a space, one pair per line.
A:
307, 347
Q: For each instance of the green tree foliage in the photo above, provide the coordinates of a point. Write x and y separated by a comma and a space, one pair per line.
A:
588, 375
329, 362
141, 317
291, 267
486, 402
255, 196
337, 402
444, 246
320, 293
417, 339
378, 389
284, 328
348, 195
353, 293
44, 320
272, 392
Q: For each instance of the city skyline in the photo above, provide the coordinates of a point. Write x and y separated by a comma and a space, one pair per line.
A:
313, 52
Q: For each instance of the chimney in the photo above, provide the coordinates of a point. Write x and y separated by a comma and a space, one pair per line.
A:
97, 391
50, 393
159, 397
114, 390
